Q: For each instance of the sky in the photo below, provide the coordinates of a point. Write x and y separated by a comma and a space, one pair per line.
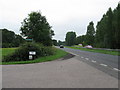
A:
62, 15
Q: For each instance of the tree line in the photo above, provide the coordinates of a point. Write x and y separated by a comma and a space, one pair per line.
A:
10, 39
108, 29
106, 35
34, 27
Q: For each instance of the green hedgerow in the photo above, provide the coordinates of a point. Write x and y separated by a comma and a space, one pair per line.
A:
22, 53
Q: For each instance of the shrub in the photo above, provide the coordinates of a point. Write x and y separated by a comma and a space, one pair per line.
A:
22, 53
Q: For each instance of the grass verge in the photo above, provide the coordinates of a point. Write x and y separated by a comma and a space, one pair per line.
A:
6, 51
97, 51
59, 53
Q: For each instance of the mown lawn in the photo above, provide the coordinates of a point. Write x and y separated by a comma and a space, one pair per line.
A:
97, 50
58, 54
6, 51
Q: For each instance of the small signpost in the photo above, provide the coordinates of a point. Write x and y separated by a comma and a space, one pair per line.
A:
32, 54
30, 40
30, 57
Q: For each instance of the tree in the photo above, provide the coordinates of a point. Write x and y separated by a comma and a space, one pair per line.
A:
54, 42
108, 29
61, 42
101, 32
36, 27
80, 40
7, 36
109, 33
10, 39
116, 25
90, 34
18, 40
70, 38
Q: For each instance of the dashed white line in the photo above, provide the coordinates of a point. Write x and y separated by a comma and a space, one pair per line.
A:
103, 65
74, 54
87, 58
93, 61
116, 69
82, 57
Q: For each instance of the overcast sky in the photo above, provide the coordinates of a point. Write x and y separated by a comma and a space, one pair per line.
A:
62, 15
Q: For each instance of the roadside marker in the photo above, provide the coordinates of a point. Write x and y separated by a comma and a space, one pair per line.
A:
104, 65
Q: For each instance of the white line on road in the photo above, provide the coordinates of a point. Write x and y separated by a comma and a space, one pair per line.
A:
103, 65
116, 69
87, 58
74, 54
93, 61
82, 57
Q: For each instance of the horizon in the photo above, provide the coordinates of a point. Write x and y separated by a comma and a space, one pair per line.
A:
60, 15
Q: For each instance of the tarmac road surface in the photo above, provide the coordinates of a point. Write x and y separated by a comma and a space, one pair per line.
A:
104, 62
61, 73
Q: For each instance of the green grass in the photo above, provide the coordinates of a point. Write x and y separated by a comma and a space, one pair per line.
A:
77, 46
59, 53
97, 50
6, 51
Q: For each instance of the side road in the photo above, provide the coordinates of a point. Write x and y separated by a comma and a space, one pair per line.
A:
69, 73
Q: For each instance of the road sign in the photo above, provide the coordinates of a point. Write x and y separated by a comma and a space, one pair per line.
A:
30, 57
29, 39
32, 52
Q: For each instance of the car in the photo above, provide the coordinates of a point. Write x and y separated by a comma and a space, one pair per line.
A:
61, 46
88, 46
80, 45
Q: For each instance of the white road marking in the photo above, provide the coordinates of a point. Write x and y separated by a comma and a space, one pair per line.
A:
82, 57
103, 65
74, 54
87, 58
93, 61
116, 69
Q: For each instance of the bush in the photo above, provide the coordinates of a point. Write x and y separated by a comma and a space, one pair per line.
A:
7, 45
22, 53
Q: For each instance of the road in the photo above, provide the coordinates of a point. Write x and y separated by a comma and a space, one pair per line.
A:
104, 62
68, 73
76, 72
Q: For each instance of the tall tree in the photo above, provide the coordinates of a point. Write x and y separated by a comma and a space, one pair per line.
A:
117, 30
100, 32
70, 38
108, 29
36, 27
54, 42
61, 42
90, 34
109, 33
7, 36
80, 40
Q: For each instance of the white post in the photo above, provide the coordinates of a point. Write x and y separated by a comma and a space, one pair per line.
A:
30, 57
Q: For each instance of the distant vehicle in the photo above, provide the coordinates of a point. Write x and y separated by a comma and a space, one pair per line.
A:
80, 45
88, 46
61, 46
